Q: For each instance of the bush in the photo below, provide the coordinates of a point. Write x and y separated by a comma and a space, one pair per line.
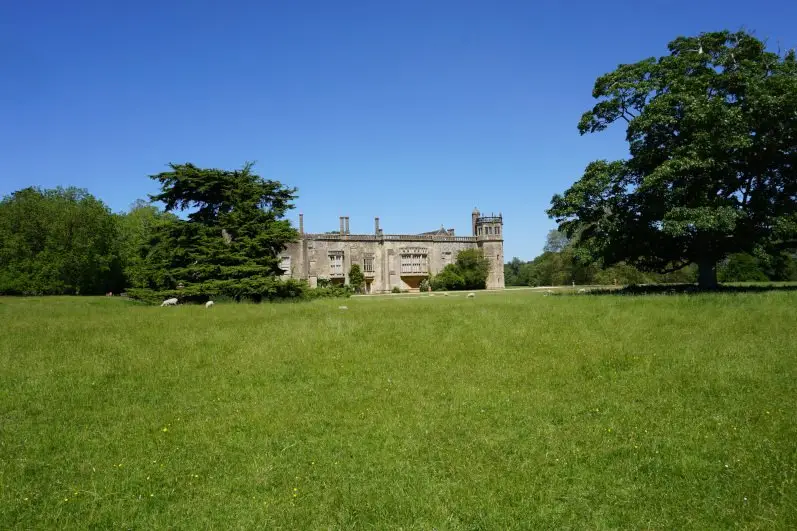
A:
473, 268
356, 277
332, 291
448, 279
395, 290
424, 286
741, 267
244, 290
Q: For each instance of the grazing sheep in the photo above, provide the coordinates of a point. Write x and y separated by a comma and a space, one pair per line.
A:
169, 302
431, 294
471, 295
582, 290
208, 304
343, 307
548, 292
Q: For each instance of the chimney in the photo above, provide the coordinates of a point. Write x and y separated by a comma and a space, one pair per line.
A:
376, 226
347, 225
342, 226
301, 223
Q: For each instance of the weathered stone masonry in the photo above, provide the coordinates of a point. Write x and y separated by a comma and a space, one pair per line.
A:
392, 260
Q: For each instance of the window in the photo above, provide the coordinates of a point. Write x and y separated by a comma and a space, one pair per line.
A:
368, 264
414, 263
498, 230
336, 264
285, 265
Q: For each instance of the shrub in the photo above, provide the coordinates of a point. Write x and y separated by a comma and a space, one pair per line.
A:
448, 279
473, 267
243, 290
356, 277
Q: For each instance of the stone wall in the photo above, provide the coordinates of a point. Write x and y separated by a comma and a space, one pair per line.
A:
309, 258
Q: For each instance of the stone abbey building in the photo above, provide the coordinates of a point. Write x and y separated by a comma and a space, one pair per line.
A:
392, 260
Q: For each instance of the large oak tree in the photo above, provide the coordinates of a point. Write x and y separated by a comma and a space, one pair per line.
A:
712, 132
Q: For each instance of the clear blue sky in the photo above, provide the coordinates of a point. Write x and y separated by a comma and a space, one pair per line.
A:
414, 111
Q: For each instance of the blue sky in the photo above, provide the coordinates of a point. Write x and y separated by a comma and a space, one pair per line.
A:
414, 111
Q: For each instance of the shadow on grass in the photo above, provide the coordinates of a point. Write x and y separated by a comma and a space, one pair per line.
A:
676, 289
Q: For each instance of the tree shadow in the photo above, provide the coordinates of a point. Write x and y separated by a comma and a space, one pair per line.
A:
688, 289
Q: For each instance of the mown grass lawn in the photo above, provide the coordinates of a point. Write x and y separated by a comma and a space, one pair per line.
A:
509, 410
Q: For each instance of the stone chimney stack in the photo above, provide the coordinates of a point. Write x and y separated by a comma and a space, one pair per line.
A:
347, 225
342, 226
376, 226
301, 223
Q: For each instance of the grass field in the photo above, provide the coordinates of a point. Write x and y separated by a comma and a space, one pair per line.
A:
509, 410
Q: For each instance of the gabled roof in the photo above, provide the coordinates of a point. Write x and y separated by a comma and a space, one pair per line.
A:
439, 232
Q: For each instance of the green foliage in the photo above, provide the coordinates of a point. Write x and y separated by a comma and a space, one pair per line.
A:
449, 279
253, 289
567, 266
327, 292
60, 241
468, 272
241, 290
135, 229
424, 285
781, 267
395, 290
231, 239
555, 242
356, 278
473, 267
711, 129
741, 267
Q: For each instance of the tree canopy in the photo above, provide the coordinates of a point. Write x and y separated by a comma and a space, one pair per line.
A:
712, 133
59, 241
230, 239
469, 271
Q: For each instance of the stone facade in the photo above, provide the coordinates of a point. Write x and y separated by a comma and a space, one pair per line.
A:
392, 260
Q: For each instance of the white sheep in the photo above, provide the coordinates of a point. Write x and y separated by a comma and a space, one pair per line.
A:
582, 290
208, 304
169, 302
471, 295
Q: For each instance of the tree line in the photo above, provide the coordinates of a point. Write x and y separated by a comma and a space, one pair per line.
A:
66, 241
559, 264
707, 194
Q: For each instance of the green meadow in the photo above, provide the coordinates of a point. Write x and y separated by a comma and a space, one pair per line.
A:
509, 410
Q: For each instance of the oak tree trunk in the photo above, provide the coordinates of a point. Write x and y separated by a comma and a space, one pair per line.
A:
707, 274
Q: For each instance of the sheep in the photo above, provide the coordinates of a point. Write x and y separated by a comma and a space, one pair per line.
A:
169, 302
582, 290
471, 295
208, 304
343, 307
